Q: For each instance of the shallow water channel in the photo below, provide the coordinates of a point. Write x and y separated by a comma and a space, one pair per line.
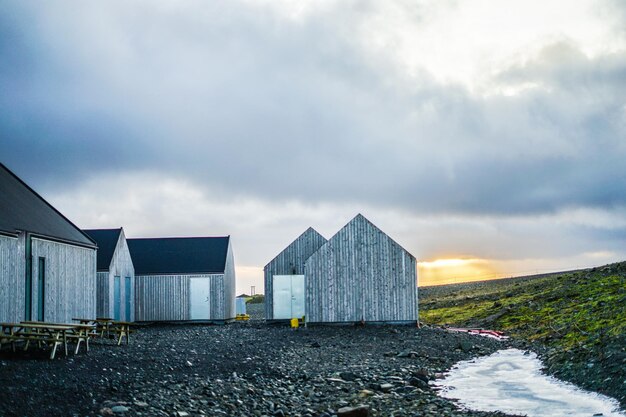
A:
511, 381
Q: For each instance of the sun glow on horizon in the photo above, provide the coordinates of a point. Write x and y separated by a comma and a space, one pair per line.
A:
452, 270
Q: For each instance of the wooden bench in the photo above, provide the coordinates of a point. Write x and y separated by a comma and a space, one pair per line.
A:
54, 334
108, 326
122, 328
78, 332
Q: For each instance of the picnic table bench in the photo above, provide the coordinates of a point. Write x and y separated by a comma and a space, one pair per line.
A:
55, 334
105, 325
79, 332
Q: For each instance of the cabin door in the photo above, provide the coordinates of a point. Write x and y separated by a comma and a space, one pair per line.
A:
199, 300
288, 296
117, 299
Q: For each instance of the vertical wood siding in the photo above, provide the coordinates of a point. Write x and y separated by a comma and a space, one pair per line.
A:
11, 278
121, 266
361, 274
229, 292
290, 262
70, 280
161, 297
103, 289
166, 297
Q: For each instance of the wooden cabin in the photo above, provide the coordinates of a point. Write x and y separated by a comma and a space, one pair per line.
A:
358, 275
185, 278
284, 277
115, 293
361, 275
47, 264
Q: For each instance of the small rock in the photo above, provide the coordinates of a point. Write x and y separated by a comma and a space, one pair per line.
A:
386, 387
315, 345
465, 346
119, 409
419, 383
348, 376
189, 364
106, 411
358, 411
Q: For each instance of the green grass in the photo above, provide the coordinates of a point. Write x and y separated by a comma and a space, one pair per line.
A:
569, 310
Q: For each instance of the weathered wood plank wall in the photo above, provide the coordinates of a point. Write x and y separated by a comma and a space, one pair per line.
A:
290, 262
229, 292
361, 274
12, 278
103, 291
121, 266
161, 297
70, 280
166, 297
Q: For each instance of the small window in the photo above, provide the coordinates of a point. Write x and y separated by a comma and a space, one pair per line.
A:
41, 288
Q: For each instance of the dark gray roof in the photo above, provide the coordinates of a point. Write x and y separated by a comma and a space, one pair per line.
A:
22, 209
107, 241
179, 255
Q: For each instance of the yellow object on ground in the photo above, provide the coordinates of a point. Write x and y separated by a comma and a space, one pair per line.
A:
295, 323
242, 317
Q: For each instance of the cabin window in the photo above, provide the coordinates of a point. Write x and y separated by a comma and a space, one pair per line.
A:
41, 288
28, 284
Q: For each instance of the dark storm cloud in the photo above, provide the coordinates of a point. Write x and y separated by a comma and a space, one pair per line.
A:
234, 97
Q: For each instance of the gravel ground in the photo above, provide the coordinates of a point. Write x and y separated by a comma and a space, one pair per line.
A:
256, 311
244, 369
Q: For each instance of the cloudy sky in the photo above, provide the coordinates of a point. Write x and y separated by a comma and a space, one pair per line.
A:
486, 137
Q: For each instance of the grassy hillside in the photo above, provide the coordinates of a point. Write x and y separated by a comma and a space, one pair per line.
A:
579, 317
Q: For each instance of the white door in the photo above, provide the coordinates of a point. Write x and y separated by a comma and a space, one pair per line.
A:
288, 296
297, 296
199, 298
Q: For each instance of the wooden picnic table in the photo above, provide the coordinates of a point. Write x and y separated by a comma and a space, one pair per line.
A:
56, 334
80, 332
106, 325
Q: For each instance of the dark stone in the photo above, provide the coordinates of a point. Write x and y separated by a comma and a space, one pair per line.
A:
348, 376
419, 383
465, 346
359, 411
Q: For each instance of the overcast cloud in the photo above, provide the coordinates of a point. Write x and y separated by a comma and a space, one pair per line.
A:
494, 130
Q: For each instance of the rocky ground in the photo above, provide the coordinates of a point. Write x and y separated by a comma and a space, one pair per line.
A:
244, 369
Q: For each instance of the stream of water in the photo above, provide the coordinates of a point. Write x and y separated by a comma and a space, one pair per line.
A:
511, 381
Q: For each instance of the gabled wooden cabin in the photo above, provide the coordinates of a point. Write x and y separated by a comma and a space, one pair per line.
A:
284, 277
115, 275
361, 275
184, 278
47, 264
